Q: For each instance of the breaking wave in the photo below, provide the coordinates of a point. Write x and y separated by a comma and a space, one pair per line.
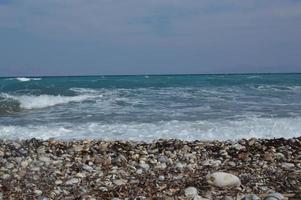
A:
10, 103
24, 79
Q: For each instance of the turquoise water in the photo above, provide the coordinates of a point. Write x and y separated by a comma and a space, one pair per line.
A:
150, 107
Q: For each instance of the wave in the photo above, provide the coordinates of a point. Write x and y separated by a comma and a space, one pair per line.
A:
185, 130
278, 88
41, 101
253, 77
24, 79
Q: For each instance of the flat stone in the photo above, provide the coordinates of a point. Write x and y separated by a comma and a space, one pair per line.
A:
103, 189
119, 182
238, 146
88, 168
38, 192
58, 182
212, 163
223, 180
80, 175
287, 166
72, 181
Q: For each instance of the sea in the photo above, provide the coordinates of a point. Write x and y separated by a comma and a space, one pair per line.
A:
151, 107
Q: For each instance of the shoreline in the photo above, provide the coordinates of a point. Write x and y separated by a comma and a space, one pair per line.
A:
162, 169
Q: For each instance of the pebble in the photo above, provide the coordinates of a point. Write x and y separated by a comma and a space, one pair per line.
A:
223, 180
274, 196
38, 192
24, 164
191, 192
144, 166
227, 198
44, 159
162, 159
88, 168
180, 166
129, 170
212, 163
139, 171
119, 182
161, 178
287, 166
250, 197
58, 182
72, 181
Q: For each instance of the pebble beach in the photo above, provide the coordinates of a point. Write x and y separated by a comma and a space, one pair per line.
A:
162, 169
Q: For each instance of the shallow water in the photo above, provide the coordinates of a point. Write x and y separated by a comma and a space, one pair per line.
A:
150, 107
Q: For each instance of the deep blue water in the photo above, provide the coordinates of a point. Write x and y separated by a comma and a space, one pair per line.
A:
151, 107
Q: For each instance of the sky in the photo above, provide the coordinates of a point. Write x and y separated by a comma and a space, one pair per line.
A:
91, 37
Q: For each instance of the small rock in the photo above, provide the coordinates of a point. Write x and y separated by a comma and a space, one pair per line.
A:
287, 166
227, 198
87, 168
162, 159
238, 146
212, 163
161, 166
58, 182
161, 178
222, 179
72, 181
103, 189
144, 166
139, 171
41, 150
80, 175
252, 141
119, 182
279, 156
180, 166
44, 159
250, 197
1, 155
268, 156
232, 164
191, 192
77, 148
9, 165
5, 176
24, 164
38, 192
274, 196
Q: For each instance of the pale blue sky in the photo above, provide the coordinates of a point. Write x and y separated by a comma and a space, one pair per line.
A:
81, 37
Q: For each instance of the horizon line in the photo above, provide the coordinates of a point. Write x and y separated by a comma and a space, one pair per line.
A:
175, 74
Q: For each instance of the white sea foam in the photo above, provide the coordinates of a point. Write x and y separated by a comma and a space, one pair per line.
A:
24, 79
43, 101
185, 130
